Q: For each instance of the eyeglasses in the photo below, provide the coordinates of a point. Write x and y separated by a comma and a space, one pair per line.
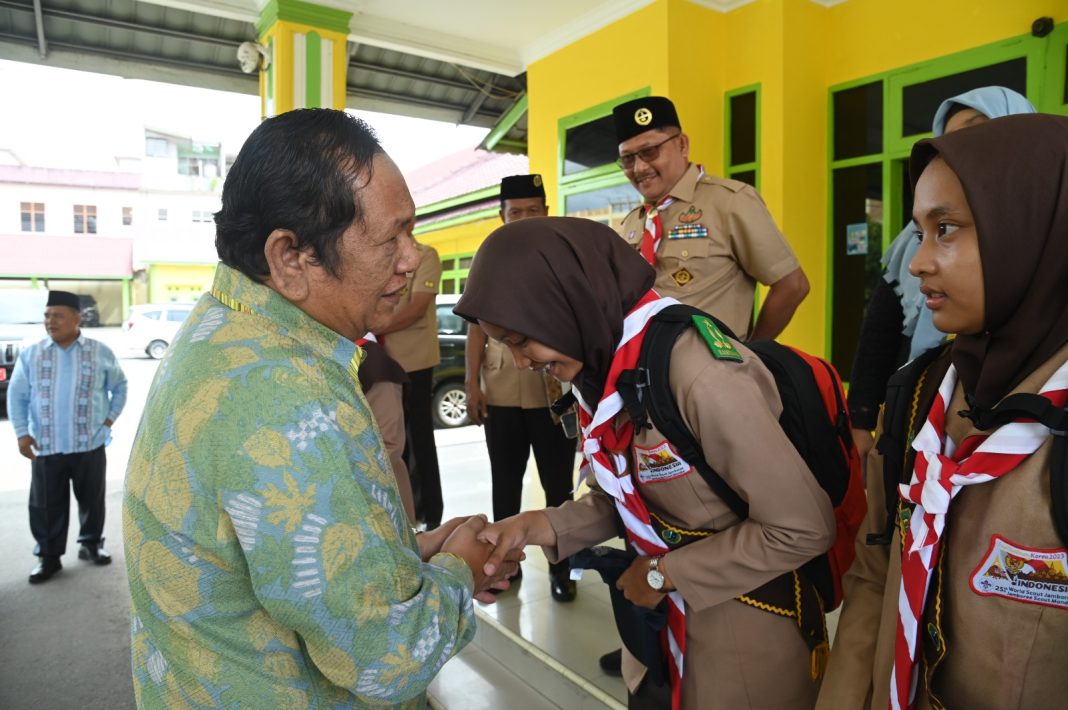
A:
647, 154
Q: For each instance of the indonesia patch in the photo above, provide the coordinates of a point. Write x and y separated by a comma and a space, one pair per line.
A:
1023, 574
659, 463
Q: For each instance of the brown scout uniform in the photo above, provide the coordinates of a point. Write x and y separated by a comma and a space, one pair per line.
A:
737, 656
416, 347
506, 385
386, 400
999, 652
718, 240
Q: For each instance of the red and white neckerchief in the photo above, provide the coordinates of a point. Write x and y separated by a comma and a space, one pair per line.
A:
654, 226
607, 449
941, 470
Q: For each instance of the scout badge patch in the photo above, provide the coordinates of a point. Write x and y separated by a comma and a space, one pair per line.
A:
659, 463
1023, 574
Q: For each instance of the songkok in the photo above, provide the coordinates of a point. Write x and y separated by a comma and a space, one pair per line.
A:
640, 115
516, 187
62, 298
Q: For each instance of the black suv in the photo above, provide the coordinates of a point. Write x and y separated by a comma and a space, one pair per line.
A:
450, 395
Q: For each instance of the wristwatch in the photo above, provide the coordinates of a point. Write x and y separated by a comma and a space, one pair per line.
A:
654, 577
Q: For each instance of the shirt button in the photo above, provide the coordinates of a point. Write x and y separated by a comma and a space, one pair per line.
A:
685, 253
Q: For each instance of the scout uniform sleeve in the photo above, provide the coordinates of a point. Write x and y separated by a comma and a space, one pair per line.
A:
849, 679
331, 559
757, 243
386, 400
790, 516
427, 275
590, 520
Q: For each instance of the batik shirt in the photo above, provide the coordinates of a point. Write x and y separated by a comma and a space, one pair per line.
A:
62, 396
269, 556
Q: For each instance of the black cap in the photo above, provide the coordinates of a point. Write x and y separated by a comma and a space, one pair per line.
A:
515, 187
640, 115
62, 298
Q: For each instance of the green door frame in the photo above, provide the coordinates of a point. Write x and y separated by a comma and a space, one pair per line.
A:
1045, 88
730, 169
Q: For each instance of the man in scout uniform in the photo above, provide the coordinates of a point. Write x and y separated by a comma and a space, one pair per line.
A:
514, 404
411, 338
710, 239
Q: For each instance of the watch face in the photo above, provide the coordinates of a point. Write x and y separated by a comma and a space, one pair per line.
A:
655, 579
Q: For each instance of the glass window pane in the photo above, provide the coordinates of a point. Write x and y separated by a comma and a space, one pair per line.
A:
857, 250
609, 205
743, 128
858, 121
1066, 74
38, 225
465, 262
746, 176
79, 224
590, 145
920, 101
27, 222
92, 224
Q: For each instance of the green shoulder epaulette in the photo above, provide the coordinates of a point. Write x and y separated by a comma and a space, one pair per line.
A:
721, 346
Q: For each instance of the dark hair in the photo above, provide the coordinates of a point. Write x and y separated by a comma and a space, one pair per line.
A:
297, 171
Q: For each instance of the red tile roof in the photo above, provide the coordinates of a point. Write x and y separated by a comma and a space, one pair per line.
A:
462, 172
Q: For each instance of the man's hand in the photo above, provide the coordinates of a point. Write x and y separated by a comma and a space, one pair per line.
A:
477, 409
430, 542
635, 586
26, 446
464, 543
514, 533
108, 423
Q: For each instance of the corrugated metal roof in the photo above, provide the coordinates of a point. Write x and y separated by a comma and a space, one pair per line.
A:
150, 41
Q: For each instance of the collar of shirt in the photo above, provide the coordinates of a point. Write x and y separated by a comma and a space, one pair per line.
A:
237, 291
80, 340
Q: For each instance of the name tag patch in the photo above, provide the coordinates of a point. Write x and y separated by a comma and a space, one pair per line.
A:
659, 463
1023, 574
688, 231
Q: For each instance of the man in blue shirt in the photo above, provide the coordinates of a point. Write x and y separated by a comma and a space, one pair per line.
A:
65, 393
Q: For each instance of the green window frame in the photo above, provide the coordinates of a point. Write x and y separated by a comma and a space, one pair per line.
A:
455, 268
1046, 69
731, 168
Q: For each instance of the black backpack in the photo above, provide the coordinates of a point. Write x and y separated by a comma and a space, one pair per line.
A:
909, 396
814, 418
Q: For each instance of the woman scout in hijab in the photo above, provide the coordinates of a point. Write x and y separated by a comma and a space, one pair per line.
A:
967, 606
570, 298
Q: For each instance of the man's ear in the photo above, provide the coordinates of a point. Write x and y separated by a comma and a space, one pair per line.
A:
290, 265
684, 145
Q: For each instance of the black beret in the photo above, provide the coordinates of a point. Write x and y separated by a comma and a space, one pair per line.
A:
640, 115
515, 187
62, 298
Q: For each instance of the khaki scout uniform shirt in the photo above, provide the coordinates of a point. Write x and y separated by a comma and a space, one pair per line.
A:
1003, 650
386, 400
718, 240
737, 656
416, 347
506, 385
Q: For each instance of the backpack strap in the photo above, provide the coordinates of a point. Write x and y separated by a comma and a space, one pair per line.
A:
647, 393
909, 395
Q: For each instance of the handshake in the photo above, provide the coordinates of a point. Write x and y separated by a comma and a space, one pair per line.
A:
493, 551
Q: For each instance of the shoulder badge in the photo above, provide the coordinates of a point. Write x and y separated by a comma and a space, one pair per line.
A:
721, 346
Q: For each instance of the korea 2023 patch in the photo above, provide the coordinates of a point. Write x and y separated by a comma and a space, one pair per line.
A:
1023, 574
659, 463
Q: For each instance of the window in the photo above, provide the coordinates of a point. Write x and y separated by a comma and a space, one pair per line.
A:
153, 315
33, 216
202, 216
178, 316
454, 272
920, 101
155, 147
607, 205
858, 121
162, 214
590, 145
127, 216
188, 166
85, 219
743, 135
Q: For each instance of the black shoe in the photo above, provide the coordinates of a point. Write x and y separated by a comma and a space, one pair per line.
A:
96, 553
612, 662
46, 567
560, 583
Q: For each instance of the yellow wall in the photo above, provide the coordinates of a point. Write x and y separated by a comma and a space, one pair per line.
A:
461, 239
183, 283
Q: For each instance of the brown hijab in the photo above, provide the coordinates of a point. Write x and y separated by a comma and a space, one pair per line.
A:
1014, 171
565, 282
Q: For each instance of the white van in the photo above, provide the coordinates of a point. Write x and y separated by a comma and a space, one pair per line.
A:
151, 328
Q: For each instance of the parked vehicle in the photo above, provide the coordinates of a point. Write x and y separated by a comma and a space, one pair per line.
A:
21, 323
152, 327
90, 313
450, 395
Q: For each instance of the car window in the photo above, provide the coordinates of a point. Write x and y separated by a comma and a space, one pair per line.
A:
177, 316
449, 323
154, 315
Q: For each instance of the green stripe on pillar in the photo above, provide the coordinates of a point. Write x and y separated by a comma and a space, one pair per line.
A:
313, 54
